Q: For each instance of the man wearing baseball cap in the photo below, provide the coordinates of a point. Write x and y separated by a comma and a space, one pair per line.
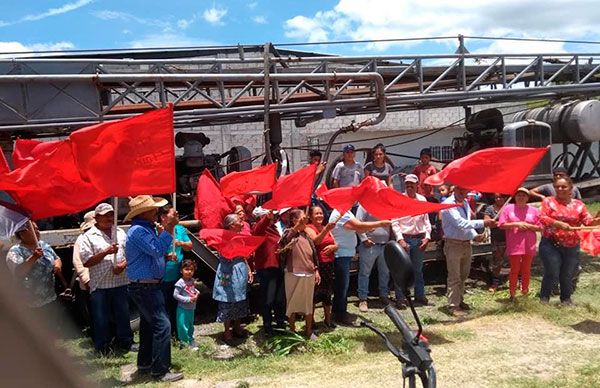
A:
102, 250
348, 172
459, 230
413, 234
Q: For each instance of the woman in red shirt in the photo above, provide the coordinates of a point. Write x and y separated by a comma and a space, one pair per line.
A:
326, 247
559, 246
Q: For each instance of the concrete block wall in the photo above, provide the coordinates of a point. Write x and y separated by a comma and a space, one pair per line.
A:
250, 135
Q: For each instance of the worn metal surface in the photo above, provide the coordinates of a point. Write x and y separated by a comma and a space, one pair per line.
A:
209, 91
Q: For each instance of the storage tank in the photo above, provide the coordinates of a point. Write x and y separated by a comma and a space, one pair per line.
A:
577, 121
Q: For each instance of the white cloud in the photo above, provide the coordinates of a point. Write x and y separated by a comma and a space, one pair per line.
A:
388, 19
127, 17
57, 11
17, 47
252, 5
214, 15
260, 19
305, 28
185, 23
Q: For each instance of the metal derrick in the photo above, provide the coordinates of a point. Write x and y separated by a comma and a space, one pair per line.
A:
45, 95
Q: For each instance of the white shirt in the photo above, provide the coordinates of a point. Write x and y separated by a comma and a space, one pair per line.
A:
412, 225
101, 275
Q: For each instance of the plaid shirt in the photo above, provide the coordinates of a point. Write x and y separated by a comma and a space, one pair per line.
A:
101, 275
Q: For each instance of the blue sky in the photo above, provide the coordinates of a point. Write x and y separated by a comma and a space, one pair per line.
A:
97, 24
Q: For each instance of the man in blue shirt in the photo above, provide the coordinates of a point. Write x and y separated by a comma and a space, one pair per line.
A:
459, 230
145, 252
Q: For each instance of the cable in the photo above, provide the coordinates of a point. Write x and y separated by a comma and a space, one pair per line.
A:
533, 39
291, 44
364, 41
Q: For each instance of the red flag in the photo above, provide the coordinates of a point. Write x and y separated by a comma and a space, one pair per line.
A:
27, 151
387, 203
4, 168
51, 185
128, 157
380, 201
294, 189
341, 199
322, 188
211, 205
590, 241
258, 180
231, 244
492, 170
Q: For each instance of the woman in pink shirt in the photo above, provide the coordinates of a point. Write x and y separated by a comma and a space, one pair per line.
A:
520, 221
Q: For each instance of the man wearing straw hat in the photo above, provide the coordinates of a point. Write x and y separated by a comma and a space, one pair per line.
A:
102, 251
146, 253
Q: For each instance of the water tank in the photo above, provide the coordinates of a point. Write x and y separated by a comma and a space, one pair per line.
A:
577, 121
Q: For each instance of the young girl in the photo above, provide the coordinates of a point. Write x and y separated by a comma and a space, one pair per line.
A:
520, 221
186, 295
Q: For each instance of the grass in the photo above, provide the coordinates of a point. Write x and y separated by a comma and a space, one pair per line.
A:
499, 344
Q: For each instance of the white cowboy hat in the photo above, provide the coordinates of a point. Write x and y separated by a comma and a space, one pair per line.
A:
143, 203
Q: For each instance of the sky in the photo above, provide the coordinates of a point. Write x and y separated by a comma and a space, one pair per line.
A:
108, 24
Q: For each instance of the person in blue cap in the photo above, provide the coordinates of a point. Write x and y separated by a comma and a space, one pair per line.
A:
348, 172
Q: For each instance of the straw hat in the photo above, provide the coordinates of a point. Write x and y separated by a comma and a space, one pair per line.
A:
143, 203
88, 220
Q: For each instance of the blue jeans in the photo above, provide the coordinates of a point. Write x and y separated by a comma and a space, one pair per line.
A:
368, 257
167, 289
155, 329
340, 286
107, 304
272, 292
416, 256
560, 264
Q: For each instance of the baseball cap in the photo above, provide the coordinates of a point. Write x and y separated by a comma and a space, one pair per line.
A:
103, 208
349, 147
411, 178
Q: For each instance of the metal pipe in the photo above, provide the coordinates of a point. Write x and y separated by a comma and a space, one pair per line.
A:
267, 102
186, 77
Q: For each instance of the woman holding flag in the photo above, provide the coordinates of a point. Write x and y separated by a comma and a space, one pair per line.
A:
561, 217
33, 264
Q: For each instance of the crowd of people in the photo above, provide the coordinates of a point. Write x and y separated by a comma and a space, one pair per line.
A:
304, 260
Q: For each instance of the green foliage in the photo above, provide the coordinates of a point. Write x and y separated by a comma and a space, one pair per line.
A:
284, 342
335, 343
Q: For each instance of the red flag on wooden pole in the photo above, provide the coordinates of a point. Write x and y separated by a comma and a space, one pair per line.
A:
128, 157
294, 189
491, 170
258, 180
